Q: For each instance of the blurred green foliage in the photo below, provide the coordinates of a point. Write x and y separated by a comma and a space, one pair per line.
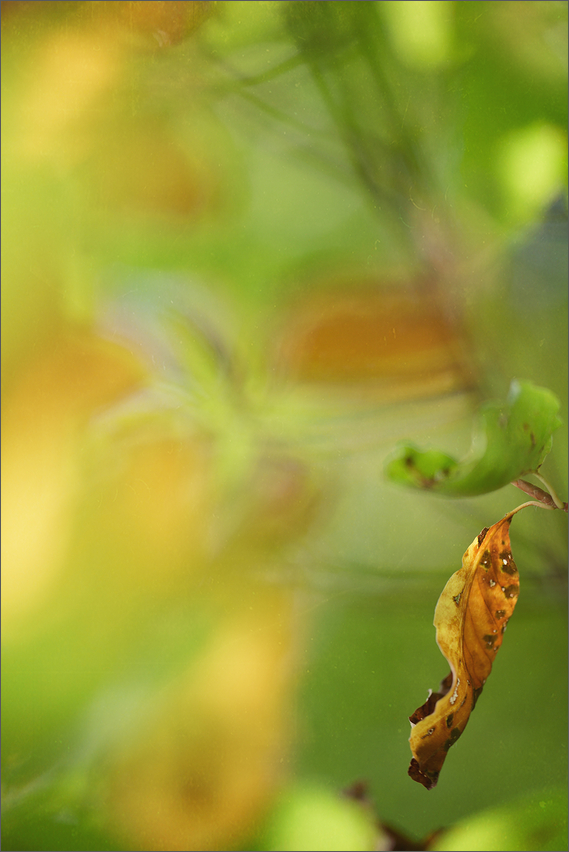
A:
247, 247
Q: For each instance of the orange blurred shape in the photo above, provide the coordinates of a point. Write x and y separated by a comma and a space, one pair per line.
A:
32, 9
44, 411
140, 168
166, 21
202, 768
72, 108
369, 335
169, 21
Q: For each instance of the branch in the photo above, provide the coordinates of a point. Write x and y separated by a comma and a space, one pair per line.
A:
542, 497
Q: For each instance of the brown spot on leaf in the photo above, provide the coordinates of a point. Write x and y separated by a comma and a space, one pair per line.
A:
476, 695
482, 536
429, 733
511, 591
508, 565
454, 735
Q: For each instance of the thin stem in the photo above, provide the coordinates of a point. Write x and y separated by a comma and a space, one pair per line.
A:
548, 501
282, 68
270, 110
536, 492
554, 497
529, 503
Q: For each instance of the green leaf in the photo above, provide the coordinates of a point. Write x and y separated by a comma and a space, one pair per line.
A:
538, 820
313, 818
511, 438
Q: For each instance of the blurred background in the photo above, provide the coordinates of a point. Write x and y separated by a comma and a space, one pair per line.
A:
247, 248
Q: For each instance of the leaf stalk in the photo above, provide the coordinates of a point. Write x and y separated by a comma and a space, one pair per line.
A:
543, 499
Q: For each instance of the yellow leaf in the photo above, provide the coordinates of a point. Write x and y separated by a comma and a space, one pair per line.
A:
471, 617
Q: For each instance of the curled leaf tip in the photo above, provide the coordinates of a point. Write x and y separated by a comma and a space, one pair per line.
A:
511, 438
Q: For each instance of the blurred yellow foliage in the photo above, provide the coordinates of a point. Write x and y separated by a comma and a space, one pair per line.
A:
114, 522
44, 415
204, 765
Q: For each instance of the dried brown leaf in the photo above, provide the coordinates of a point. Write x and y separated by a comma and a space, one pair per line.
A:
471, 617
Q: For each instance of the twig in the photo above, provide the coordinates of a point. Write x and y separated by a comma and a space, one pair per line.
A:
542, 498
555, 498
